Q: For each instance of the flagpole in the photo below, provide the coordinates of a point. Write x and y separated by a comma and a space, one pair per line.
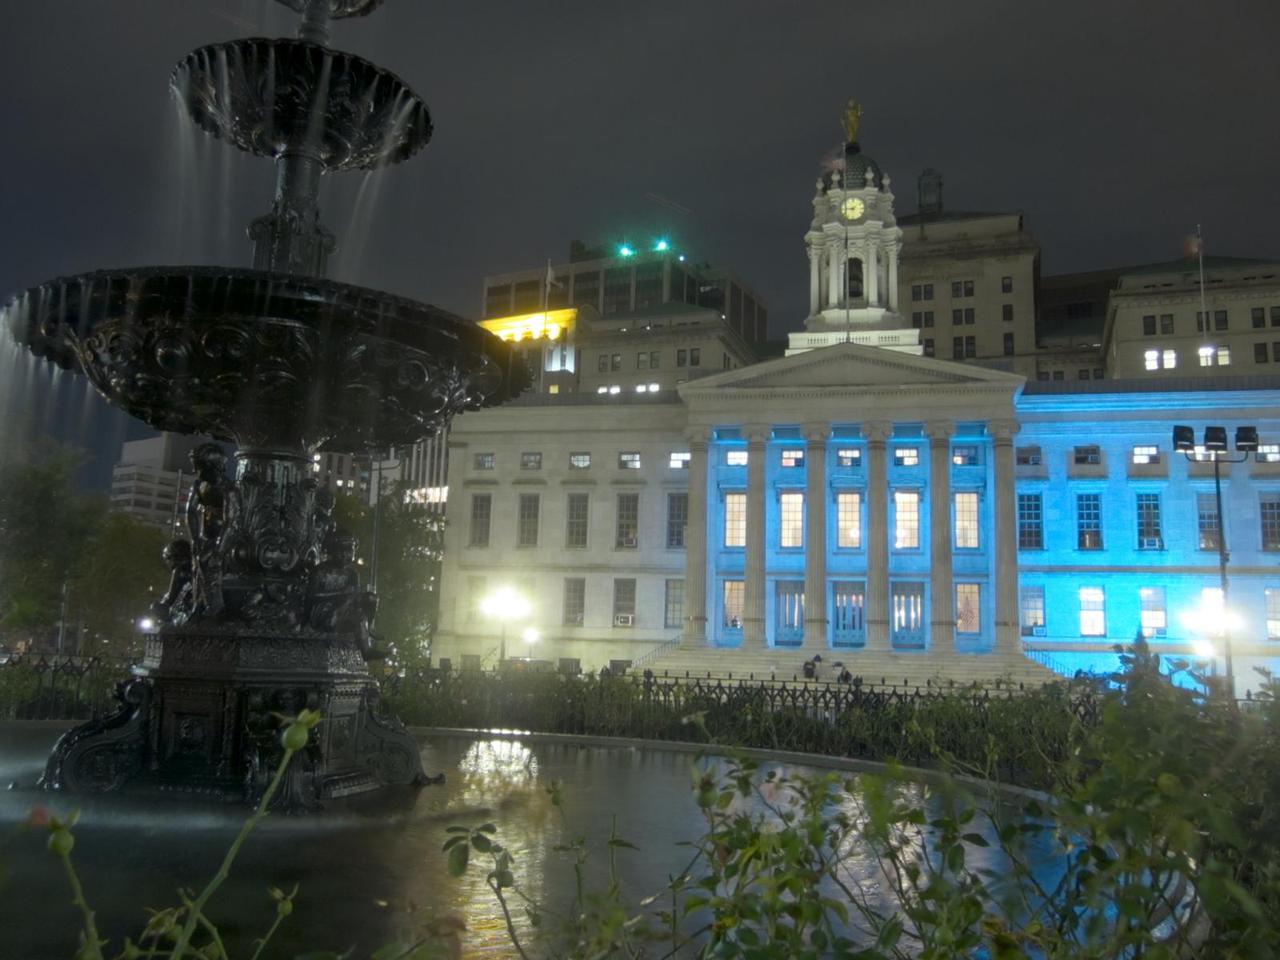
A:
1204, 311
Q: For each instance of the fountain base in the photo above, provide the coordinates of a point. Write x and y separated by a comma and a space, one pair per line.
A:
201, 716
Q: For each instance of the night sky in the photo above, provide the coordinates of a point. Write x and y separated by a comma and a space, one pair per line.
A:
1116, 126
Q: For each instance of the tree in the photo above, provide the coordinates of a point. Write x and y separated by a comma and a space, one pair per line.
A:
410, 545
122, 575
45, 528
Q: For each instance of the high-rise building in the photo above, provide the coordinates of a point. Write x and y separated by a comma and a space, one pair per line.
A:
152, 479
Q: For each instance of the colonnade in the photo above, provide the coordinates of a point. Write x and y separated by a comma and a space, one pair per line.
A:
875, 436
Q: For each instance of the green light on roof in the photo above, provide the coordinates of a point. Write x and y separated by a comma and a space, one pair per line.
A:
626, 251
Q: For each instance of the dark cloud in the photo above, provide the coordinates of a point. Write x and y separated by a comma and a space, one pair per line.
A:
1115, 125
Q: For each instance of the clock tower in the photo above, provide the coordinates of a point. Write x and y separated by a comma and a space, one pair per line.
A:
853, 244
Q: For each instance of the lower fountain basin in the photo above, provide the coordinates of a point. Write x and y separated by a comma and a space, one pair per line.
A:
266, 359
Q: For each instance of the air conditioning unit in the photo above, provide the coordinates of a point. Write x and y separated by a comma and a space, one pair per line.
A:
627, 542
1150, 543
1038, 631
1159, 632
624, 619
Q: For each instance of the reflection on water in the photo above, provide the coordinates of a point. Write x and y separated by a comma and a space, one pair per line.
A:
369, 872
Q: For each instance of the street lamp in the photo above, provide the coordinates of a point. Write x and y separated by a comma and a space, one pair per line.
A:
504, 605
1215, 445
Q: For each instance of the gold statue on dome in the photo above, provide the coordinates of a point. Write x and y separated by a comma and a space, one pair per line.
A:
852, 118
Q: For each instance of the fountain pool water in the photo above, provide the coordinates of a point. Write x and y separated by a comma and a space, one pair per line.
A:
370, 871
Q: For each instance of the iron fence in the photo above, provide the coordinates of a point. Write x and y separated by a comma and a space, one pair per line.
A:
38, 687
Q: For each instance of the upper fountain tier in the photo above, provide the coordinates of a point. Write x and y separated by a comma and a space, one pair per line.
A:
266, 360
337, 8
273, 97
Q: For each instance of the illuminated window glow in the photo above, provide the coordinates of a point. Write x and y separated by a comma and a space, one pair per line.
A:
735, 519
849, 520
849, 457
1031, 603
1093, 612
968, 607
906, 456
1273, 612
1146, 454
791, 510
735, 458
734, 604
906, 519
679, 460
1153, 617
966, 513
793, 458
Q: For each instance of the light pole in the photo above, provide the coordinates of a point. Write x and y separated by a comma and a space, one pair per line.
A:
504, 605
1215, 445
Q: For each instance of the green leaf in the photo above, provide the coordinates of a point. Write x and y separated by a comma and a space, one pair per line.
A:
977, 839
619, 842
482, 843
458, 857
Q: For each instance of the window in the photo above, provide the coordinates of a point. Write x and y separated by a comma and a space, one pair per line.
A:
1154, 620
603, 365
1082, 374
1006, 284
682, 358
965, 347
906, 456
966, 520
1257, 317
964, 316
1008, 345
921, 291
615, 362
629, 460
1030, 521
1260, 353
1149, 325
734, 604
679, 460
1207, 525
695, 355
1268, 453
1028, 456
965, 455
1031, 605
483, 461
1275, 351
647, 360
475, 596
527, 520
735, 519
906, 519
968, 605
928, 295
481, 512
793, 458
530, 461
921, 319
1169, 359
849, 519
791, 520
575, 600
1166, 323
1219, 321
579, 461
849, 457
1148, 509
628, 521
789, 611
1059, 375
1269, 520
735, 458
677, 518
962, 288
673, 606
1087, 455
1093, 612
1211, 356
1146, 454
1151, 359
1097, 373
907, 614
928, 347
1088, 521
624, 601
1272, 597
576, 518
848, 610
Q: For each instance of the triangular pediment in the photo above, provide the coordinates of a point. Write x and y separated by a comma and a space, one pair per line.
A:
850, 366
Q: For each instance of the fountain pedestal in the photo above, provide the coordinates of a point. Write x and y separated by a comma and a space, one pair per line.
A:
200, 715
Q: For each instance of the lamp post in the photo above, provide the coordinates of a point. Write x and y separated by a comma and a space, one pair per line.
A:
504, 605
1215, 445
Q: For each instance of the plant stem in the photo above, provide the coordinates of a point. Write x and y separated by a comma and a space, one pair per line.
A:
184, 938
77, 897
262, 944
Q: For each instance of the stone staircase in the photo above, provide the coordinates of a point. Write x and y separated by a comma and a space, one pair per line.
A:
878, 668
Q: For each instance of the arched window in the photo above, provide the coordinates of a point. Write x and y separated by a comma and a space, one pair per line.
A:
855, 279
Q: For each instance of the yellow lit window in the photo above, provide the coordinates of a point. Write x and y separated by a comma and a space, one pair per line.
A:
792, 526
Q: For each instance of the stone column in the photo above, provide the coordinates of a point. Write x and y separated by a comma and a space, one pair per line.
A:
942, 617
871, 273
893, 276
1005, 583
814, 293
833, 275
753, 630
695, 542
876, 433
815, 535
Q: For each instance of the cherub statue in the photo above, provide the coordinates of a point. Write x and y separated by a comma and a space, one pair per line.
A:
852, 120
208, 510
175, 606
338, 603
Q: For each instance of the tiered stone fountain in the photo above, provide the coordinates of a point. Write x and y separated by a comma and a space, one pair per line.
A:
265, 613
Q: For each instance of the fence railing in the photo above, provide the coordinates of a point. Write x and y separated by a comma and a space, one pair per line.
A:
37, 687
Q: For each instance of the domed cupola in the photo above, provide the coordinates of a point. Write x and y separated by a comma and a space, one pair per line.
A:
856, 164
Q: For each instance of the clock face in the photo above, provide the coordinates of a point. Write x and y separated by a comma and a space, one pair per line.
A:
853, 208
